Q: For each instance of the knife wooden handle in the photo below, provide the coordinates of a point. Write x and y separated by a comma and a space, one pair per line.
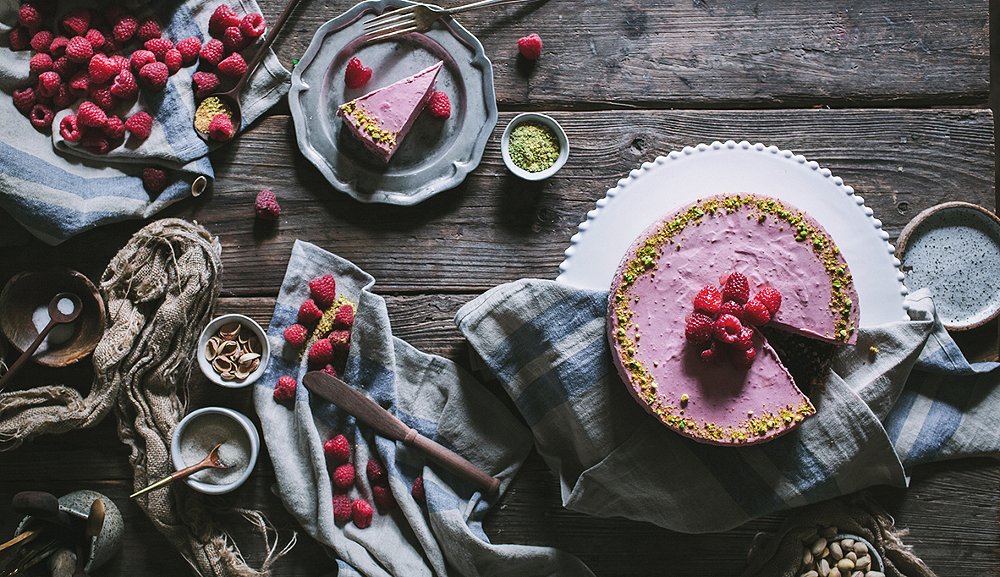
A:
453, 462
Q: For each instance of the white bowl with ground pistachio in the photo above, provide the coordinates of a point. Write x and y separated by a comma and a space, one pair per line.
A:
534, 146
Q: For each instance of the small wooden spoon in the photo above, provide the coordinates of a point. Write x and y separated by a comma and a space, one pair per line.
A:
231, 97
211, 461
56, 317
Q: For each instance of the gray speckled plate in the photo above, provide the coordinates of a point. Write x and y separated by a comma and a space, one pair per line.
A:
436, 155
954, 250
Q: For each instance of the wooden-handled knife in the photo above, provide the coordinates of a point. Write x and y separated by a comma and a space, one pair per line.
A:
370, 413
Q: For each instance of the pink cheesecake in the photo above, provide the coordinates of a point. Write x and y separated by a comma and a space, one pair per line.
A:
382, 118
773, 245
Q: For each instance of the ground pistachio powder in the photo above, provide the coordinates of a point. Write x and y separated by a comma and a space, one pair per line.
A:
533, 147
209, 109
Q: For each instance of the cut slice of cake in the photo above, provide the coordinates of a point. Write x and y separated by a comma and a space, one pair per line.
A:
692, 263
382, 118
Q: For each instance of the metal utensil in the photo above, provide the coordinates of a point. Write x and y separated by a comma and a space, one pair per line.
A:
42, 506
419, 18
369, 412
95, 522
211, 461
56, 317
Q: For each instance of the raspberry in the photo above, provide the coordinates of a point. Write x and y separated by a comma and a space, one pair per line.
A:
101, 69
284, 389
41, 116
95, 143
19, 38
233, 40
154, 180
329, 370
708, 301
417, 490
341, 509
58, 46
698, 328
712, 353
732, 308
189, 49
266, 205
154, 76
24, 99
115, 128
296, 335
343, 477
119, 62
42, 41
124, 87
79, 50
439, 105
221, 129
173, 59
727, 329
340, 340
64, 98
158, 46
337, 450
39, 63
743, 358
205, 83
376, 472
222, 18
361, 513
148, 30
253, 26
736, 288
102, 97
323, 290
212, 52
770, 298
29, 15
76, 21
344, 319
756, 313
309, 313
530, 46
745, 339
95, 38
140, 125
321, 353
125, 28
79, 84
233, 66
357, 74
383, 499
48, 84
63, 67
69, 129
141, 58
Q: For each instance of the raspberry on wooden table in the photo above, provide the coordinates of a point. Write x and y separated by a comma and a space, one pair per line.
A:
530, 46
266, 206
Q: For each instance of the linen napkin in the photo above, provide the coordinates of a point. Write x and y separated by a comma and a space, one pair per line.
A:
913, 401
55, 190
443, 536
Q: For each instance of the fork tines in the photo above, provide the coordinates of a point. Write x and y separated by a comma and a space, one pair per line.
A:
392, 23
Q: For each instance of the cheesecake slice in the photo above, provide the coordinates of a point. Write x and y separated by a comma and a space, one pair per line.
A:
382, 118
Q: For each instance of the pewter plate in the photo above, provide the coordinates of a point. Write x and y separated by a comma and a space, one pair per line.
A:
436, 155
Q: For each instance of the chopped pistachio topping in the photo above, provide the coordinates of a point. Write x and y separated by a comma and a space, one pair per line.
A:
367, 124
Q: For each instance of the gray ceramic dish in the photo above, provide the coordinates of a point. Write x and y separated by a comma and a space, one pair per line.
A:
954, 250
436, 155
108, 542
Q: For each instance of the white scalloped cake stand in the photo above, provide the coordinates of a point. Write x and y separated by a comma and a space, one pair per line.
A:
680, 178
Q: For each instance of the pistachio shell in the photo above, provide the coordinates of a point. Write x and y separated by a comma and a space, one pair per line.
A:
230, 331
247, 357
222, 365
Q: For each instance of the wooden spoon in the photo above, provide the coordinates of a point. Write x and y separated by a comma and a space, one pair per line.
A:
56, 317
95, 522
231, 97
211, 461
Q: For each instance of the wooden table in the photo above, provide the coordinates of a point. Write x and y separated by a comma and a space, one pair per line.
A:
893, 97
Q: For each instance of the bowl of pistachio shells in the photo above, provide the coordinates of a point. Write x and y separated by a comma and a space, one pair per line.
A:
233, 351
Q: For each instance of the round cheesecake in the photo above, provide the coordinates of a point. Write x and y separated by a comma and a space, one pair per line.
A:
773, 245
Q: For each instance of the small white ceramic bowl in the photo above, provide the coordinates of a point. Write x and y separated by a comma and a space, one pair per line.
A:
209, 332
545, 121
178, 459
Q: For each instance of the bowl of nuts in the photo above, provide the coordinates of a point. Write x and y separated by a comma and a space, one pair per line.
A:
233, 351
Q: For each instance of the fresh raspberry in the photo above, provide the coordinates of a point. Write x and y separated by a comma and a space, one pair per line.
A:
253, 26
19, 38
48, 84
173, 59
124, 87
727, 329
439, 105
530, 46
39, 63
266, 207
63, 67
69, 129
357, 74
736, 288
64, 98
221, 129
125, 28
154, 76
141, 58
58, 46
732, 308
712, 354
42, 41
343, 477
30, 15
745, 339
337, 450
770, 298
119, 62
323, 290
341, 509
233, 40
189, 49
376, 472
41, 116
205, 83
708, 300
79, 50
321, 353
743, 358
96, 38
148, 30
110, 47
95, 143
101, 69
154, 180
158, 46
340, 340
79, 84
76, 21
698, 328
115, 128
344, 319
361, 513
417, 490
233, 66
296, 335
284, 389
222, 18
383, 499
24, 99
101, 96
139, 125
329, 370
309, 313
756, 313
212, 52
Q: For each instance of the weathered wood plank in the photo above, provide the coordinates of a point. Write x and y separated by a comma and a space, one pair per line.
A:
706, 53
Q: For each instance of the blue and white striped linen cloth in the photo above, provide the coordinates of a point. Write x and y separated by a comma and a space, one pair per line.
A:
56, 190
429, 393
917, 400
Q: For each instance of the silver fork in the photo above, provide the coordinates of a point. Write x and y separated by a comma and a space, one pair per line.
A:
419, 18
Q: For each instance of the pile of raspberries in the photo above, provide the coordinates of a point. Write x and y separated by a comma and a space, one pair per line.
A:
724, 321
